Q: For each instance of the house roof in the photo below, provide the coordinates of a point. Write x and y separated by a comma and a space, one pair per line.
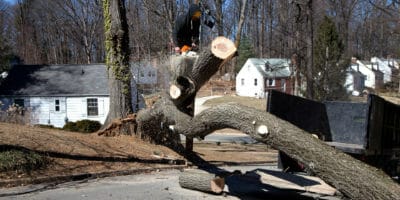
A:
355, 72
56, 80
271, 67
366, 62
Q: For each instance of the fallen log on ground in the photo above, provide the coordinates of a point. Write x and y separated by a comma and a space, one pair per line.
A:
202, 181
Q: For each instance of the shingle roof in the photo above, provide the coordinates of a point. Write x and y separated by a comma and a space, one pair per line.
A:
56, 80
278, 67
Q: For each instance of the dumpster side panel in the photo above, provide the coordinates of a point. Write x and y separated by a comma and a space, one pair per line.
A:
375, 125
384, 126
306, 114
348, 122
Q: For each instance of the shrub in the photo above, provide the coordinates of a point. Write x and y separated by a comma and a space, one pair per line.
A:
15, 114
88, 126
45, 126
70, 126
26, 161
83, 126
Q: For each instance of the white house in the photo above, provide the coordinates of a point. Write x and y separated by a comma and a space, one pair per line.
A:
384, 66
355, 81
144, 72
259, 75
55, 94
372, 75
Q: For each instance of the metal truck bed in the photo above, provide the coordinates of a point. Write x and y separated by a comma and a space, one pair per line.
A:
369, 130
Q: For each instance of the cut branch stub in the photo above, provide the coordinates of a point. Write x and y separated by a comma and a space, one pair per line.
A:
222, 47
182, 86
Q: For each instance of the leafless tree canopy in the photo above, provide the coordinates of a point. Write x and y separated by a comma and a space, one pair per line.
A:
55, 31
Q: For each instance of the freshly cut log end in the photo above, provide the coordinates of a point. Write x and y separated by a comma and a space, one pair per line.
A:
201, 181
222, 47
174, 92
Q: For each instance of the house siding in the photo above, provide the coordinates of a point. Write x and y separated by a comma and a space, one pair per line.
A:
251, 71
249, 74
77, 108
370, 79
281, 84
383, 67
42, 110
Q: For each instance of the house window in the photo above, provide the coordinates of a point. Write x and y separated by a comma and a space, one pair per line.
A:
255, 82
242, 81
141, 74
271, 82
283, 85
92, 107
19, 102
57, 105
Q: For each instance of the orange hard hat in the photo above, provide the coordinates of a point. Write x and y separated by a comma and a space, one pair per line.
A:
185, 48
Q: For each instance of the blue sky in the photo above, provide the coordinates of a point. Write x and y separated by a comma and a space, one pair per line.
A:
11, 1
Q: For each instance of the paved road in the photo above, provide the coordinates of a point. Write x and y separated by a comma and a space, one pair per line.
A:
157, 185
198, 103
217, 137
226, 137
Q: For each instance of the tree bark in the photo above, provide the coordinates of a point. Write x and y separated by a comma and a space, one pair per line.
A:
202, 181
117, 60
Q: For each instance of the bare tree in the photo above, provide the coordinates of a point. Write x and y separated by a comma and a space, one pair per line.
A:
219, 16
5, 36
343, 10
84, 19
151, 23
304, 41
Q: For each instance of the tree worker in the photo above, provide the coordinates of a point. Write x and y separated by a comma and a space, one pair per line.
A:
186, 30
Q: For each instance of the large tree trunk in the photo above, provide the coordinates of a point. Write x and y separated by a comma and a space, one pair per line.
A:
310, 46
117, 60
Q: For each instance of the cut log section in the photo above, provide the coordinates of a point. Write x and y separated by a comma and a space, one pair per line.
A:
201, 181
